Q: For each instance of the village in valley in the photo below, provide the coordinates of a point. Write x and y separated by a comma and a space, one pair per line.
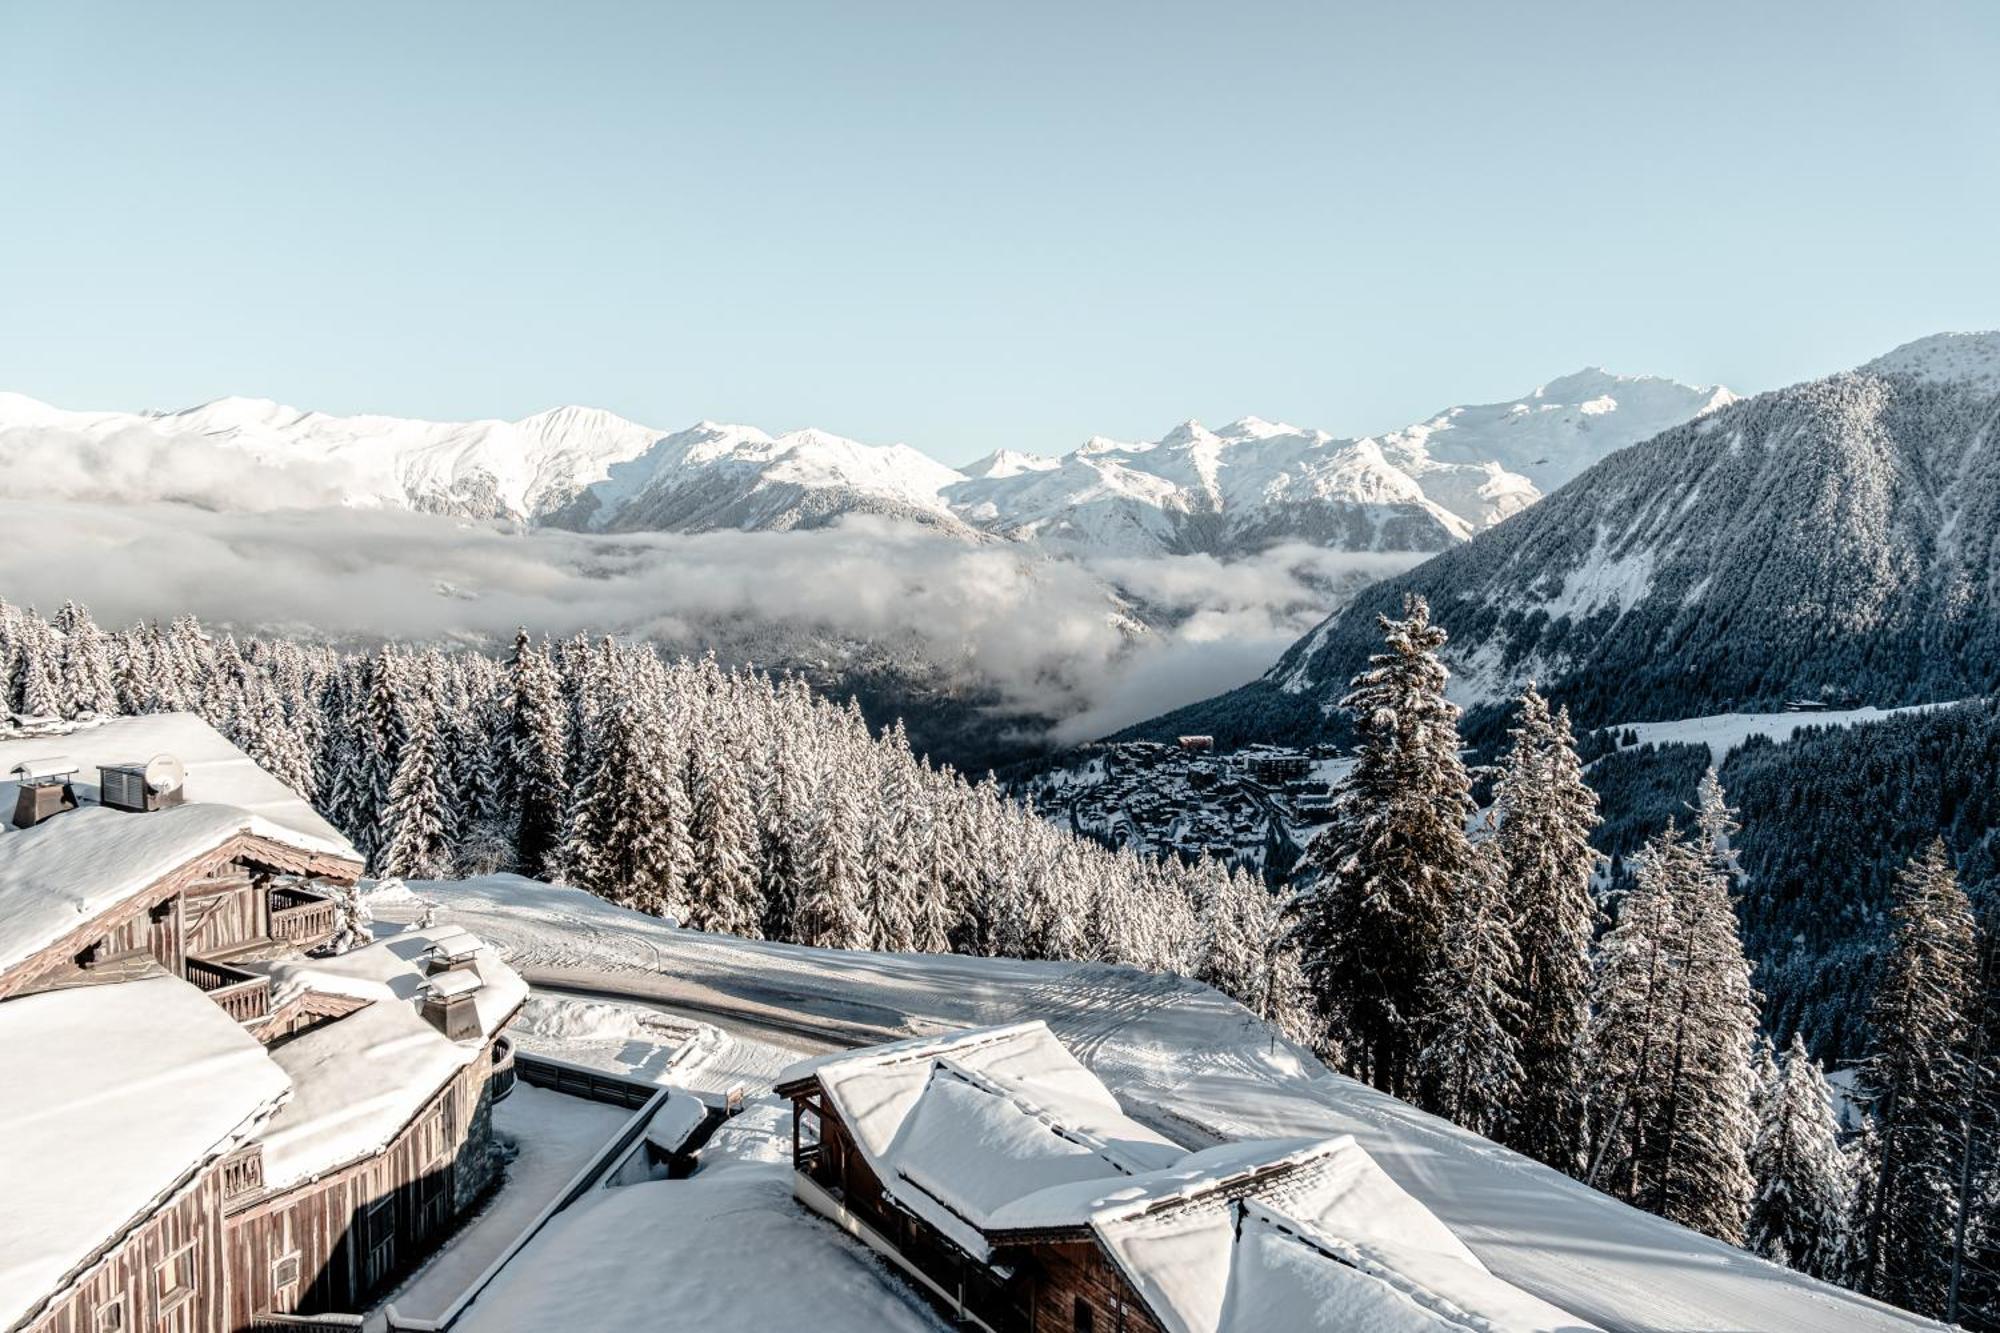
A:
1255, 807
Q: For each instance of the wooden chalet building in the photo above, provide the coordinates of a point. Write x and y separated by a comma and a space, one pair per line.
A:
1004, 1180
208, 1128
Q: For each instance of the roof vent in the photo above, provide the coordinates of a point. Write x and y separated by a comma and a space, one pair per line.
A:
46, 789
153, 785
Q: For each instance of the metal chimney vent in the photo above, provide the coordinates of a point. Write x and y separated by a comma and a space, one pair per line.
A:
153, 785
46, 789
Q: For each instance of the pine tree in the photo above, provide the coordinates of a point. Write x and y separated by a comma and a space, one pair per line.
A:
417, 832
828, 914
724, 895
538, 749
1546, 815
1911, 1084
620, 844
1671, 1045
1470, 1072
1391, 865
1799, 1216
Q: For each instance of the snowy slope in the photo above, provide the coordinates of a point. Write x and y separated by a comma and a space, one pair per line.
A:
1196, 1067
1224, 492
1834, 537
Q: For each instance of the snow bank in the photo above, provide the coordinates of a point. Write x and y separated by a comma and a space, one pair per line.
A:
358, 1080
721, 1250
113, 1095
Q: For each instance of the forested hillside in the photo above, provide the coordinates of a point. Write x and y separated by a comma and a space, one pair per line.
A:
1836, 538
728, 800
1829, 818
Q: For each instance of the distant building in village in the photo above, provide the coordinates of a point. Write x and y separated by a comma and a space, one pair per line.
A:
206, 1128
1005, 1181
1202, 744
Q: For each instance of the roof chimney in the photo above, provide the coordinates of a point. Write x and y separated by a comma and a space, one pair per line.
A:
449, 1004
46, 789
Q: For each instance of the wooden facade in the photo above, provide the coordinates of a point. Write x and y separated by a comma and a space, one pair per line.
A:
158, 1276
1057, 1281
337, 1243
215, 907
223, 1251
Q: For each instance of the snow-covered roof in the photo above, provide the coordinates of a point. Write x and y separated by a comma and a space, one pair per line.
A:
676, 1121
959, 1127
63, 872
217, 772
358, 1080
1320, 1234
113, 1095
997, 1134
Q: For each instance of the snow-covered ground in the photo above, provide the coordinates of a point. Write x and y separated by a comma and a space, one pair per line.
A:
553, 1137
1723, 732
1179, 1056
727, 1248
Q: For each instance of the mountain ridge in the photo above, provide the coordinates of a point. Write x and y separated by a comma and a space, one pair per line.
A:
1229, 491
1835, 538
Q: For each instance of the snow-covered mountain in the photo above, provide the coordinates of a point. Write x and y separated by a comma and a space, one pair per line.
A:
1839, 538
1224, 492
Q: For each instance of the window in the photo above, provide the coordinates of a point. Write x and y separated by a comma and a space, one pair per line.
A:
173, 1280
433, 1140
111, 1316
1085, 1319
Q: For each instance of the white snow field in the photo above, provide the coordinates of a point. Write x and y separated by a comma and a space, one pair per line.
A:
1181, 1058
553, 1137
1723, 732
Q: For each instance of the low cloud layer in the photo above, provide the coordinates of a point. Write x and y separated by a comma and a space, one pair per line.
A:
1053, 638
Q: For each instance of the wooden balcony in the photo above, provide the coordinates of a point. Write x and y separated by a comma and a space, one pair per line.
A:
242, 1174
244, 996
300, 917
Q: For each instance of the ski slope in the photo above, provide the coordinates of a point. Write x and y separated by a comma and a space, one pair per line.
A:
1723, 732
1192, 1064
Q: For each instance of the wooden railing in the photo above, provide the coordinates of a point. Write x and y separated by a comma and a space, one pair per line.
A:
298, 916
504, 1072
573, 1080
243, 995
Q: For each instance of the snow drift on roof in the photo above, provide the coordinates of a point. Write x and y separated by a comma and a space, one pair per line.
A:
217, 772
113, 1095
358, 1080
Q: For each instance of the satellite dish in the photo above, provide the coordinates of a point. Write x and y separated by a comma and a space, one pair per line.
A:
164, 773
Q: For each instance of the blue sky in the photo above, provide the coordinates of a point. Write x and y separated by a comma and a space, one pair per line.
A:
969, 227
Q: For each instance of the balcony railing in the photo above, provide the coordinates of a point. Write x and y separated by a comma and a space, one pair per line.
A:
243, 1173
244, 996
299, 917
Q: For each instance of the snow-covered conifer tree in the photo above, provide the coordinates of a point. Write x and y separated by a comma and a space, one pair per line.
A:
1799, 1216
1393, 861
538, 750
1546, 814
1469, 1072
1911, 1084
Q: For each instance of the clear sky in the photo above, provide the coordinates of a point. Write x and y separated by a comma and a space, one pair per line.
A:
973, 226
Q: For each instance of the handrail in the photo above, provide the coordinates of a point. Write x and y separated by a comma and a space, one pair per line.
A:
579, 1185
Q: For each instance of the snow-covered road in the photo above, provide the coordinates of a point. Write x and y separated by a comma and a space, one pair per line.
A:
1187, 1060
